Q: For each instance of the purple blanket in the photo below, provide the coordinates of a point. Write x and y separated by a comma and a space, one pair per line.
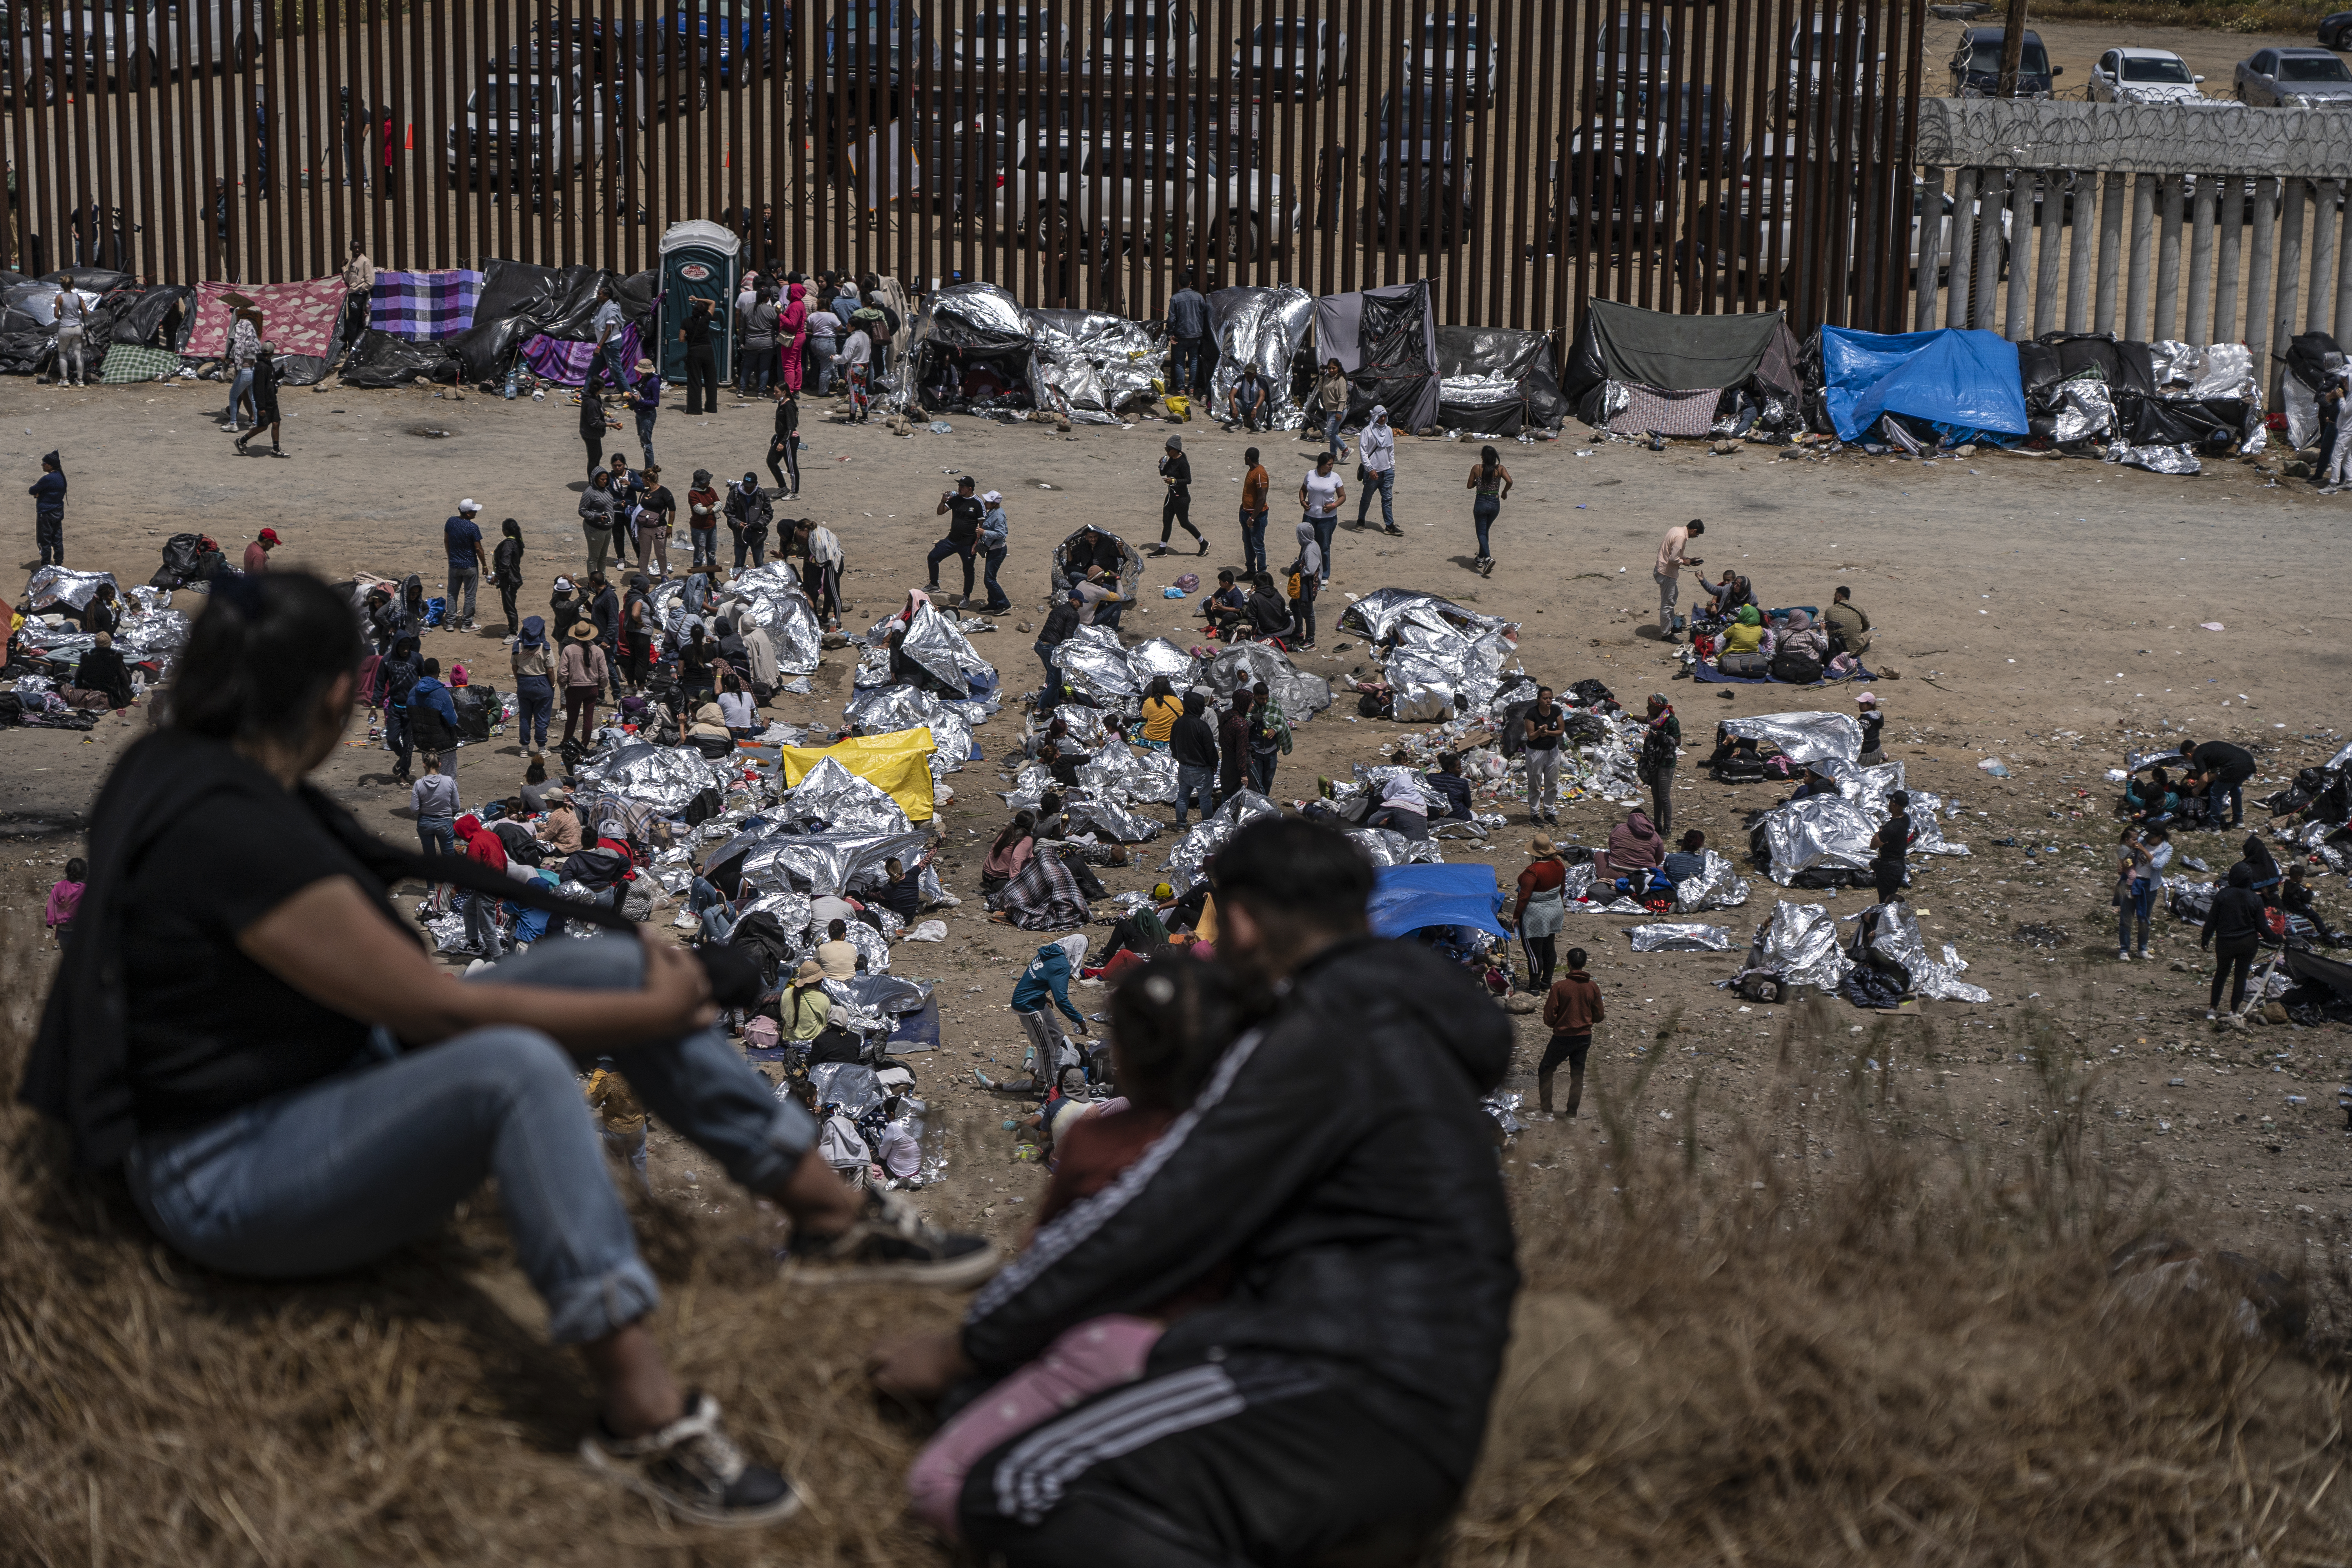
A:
566, 364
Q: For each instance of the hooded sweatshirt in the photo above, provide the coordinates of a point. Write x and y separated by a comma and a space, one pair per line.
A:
1633, 842
1048, 979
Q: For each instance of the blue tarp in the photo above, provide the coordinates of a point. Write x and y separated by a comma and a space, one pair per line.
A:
1951, 377
1408, 897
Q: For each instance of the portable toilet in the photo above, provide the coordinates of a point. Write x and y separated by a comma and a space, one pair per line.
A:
700, 260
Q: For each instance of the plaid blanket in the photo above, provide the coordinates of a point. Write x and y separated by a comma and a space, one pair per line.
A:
1044, 895
299, 318
127, 363
425, 305
1668, 413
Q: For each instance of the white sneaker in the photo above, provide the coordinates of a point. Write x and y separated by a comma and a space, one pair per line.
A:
2123, 956
2212, 1016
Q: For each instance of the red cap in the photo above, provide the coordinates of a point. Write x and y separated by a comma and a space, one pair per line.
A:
269, 536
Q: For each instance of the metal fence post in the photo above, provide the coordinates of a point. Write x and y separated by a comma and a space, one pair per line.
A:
2167, 261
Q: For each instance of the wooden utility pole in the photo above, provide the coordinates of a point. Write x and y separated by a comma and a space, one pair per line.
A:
2013, 48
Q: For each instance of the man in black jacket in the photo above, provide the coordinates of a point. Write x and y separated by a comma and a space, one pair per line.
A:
1059, 625
2219, 771
1328, 1406
1193, 744
2234, 929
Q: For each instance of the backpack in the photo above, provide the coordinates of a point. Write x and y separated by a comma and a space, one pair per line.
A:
1796, 667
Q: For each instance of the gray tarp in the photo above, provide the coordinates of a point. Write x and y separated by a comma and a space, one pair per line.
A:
1476, 365
1800, 944
1263, 327
1386, 339
1300, 695
1803, 737
1679, 353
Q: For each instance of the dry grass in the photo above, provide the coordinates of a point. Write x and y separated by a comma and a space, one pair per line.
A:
1895, 1352
2302, 16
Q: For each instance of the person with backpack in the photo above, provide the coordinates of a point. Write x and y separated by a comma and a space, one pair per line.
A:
396, 676
883, 328
1662, 739
1799, 651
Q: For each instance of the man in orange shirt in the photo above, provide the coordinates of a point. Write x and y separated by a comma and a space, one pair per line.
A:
1255, 484
256, 554
1570, 1009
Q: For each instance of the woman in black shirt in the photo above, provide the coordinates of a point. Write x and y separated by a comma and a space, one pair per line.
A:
784, 450
290, 1087
1177, 470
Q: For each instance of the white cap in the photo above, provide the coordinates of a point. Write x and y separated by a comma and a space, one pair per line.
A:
993, 497
469, 504
1866, 700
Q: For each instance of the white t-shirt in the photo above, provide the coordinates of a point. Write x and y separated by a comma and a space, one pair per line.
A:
608, 319
738, 709
1323, 494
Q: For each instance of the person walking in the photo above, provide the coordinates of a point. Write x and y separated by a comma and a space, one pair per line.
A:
1255, 482
1662, 739
701, 360
656, 510
1320, 496
1193, 745
1376, 466
396, 677
71, 364
784, 446
48, 493
792, 336
2233, 932
592, 427
584, 670
1331, 397
264, 400
1673, 557
534, 679
644, 402
747, 517
462, 538
1307, 573
1893, 842
1188, 335
964, 510
1492, 483
505, 570
256, 554
1541, 909
244, 345
995, 538
1543, 728
596, 518
1176, 472
702, 519
1572, 1007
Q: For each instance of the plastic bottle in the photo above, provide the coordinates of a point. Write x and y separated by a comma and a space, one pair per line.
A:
511, 384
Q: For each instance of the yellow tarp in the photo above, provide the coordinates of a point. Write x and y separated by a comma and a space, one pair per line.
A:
897, 764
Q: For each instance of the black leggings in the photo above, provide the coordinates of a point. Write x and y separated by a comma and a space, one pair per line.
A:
1662, 801
2233, 964
595, 445
1889, 877
1542, 958
1568, 1048
1177, 509
1302, 608
787, 449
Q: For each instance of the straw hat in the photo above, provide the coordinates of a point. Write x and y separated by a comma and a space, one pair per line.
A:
582, 631
1541, 846
809, 973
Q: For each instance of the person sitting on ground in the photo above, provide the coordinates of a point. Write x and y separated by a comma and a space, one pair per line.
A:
1247, 403
737, 710
1849, 628
2294, 898
2150, 798
902, 884
1011, 851
1100, 602
1161, 708
1725, 597
1063, 769
1800, 645
560, 829
1269, 608
101, 670
1404, 808
2267, 879
1448, 782
1686, 862
1170, 1022
268, 1026
1746, 645
1635, 850
805, 1008
837, 952
1375, 1309
1228, 607
1737, 759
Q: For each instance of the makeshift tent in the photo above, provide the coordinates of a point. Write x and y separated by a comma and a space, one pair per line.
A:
1263, 327
1407, 899
521, 303
1638, 371
2299, 387
980, 328
700, 260
1497, 381
1963, 379
300, 317
1091, 365
897, 764
1386, 339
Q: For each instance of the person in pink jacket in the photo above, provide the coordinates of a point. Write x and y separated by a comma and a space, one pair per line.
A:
792, 334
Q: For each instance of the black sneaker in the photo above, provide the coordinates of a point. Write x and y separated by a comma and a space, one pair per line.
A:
891, 1243
694, 1469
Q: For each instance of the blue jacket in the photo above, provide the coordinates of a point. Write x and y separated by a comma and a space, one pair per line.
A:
1046, 980
428, 692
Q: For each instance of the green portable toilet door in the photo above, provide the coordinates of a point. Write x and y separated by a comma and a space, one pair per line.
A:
691, 273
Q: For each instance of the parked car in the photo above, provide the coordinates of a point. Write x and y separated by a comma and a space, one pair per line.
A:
83, 37
525, 117
1438, 56
1134, 42
1653, 45
1817, 45
2336, 31
1157, 183
1976, 65
877, 32
1423, 188
2280, 78
1011, 38
2143, 76
947, 146
1293, 64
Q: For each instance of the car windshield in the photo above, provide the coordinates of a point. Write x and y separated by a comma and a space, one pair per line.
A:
509, 95
1451, 34
1006, 25
2312, 67
2157, 70
1437, 114
1985, 60
1275, 34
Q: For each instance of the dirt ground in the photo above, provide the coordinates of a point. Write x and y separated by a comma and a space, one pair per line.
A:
2045, 612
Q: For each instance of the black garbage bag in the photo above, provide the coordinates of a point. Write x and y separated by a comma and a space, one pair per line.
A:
187, 558
519, 302
380, 360
1591, 693
93, 279
24, 353
479, 708
762, 937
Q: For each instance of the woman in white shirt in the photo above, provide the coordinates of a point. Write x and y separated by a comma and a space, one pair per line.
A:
1320, 496
735, 706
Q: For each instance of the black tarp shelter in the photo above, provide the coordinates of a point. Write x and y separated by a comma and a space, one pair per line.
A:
1386, 339
1677, 357
1497, 381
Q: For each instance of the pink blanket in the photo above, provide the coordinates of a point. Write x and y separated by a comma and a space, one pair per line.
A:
299, 318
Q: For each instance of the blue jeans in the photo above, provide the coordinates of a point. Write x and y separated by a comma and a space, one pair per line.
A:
1326, 528
996, 597
1192, 782
645, 432
2139, 902
718, 921
482, 913
1253, 542
616, 363
1385, 482
1482, 513
2221, 792
1261, 767
241, 391
534, 706
1331, 432
340, 1172
706, 545
758, 363
395, 737
821, 352
1184, 363
466, 580
436, 833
